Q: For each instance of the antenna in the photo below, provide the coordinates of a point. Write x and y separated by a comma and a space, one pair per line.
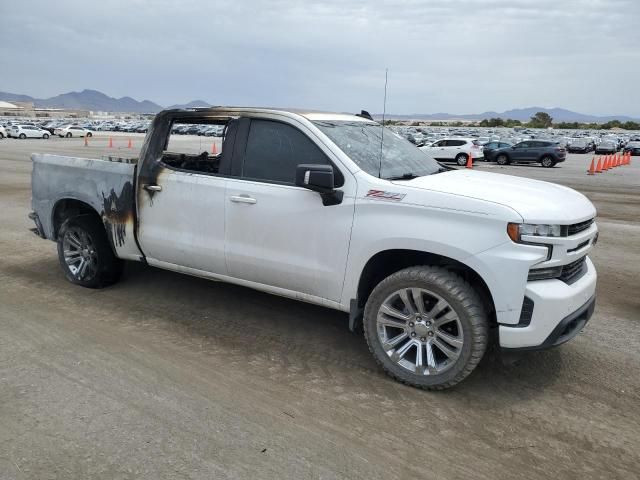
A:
384, 112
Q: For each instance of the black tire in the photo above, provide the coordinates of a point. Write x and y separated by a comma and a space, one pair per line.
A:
461, 159
461, 297
45, 136
89, 134
104, 267
547, 161
22, 136
1, 135
502, 160
68, 135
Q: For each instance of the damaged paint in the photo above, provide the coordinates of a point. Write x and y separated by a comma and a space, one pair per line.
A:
100, 185
117, 213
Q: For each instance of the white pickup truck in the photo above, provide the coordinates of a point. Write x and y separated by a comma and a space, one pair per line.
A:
334, 210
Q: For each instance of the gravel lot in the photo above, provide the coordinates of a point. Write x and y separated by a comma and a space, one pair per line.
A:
164, 376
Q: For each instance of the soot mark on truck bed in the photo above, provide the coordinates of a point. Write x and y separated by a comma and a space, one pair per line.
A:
117, 212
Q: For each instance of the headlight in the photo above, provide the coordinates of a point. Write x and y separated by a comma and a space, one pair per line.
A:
517, 230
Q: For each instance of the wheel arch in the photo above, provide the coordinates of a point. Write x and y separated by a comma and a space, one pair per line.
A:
66, 208
387, 262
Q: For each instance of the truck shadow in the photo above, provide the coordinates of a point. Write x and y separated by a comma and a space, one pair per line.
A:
293, 337
308, 336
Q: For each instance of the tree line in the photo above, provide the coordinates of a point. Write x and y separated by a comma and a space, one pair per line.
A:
539, 120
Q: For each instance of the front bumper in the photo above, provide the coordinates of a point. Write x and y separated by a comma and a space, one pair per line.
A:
560, 311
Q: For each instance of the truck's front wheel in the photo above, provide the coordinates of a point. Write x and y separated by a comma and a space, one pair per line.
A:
426, 326
85, 254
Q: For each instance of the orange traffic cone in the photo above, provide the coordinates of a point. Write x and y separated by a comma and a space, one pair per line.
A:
599, 165
130, 144
214, 149
592, 168
470, 161
605, 167
617, 160
86, 141
110, 142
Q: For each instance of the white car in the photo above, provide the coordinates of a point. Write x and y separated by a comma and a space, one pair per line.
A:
3, 132
28, 131
72, 131
431, 262
455, 149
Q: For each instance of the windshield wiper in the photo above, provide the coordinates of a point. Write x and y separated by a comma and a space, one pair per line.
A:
404, 176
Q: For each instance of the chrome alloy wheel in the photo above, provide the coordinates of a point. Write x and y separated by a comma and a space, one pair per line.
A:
80, 254
420, 331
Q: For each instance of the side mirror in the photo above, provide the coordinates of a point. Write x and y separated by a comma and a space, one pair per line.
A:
319, 178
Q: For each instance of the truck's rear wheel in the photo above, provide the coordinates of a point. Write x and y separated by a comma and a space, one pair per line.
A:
85, 254
426, 326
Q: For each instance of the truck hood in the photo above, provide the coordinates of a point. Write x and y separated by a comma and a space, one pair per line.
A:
534, 200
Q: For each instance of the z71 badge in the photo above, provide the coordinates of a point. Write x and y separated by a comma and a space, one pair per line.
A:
382, 195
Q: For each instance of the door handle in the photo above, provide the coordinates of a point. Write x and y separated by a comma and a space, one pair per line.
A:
153, 188
243, 199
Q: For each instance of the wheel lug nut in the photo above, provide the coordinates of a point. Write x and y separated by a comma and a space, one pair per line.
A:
431, 334
422, 338
428, 323
411, 324
413, 334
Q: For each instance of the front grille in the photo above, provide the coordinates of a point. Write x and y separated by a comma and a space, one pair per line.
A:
579, 227
573, 271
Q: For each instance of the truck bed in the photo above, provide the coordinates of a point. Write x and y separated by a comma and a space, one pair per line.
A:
107, 186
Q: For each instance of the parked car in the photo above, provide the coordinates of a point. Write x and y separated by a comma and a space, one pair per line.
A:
73, 131
633, 148
489, 150
544, 152
455, 149
460, 251
3, 132
607, 147
28, 131
579, 145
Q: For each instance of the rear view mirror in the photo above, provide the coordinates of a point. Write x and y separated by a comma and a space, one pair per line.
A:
319, 178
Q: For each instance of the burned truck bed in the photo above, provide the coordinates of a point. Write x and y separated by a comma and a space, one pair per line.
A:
106, 185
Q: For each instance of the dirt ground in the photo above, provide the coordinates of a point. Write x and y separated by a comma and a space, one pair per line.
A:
164, 376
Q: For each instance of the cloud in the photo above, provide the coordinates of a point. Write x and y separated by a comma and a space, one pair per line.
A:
443, 55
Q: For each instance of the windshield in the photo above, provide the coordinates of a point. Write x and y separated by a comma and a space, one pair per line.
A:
361, 141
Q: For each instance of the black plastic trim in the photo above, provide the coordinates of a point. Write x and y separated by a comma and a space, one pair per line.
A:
526, 313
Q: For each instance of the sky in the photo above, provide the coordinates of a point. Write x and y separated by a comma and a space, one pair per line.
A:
454, 56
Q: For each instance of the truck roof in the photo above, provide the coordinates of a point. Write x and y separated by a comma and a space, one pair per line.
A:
308, 114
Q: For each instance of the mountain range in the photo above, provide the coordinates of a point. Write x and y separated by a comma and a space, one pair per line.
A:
94, 100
